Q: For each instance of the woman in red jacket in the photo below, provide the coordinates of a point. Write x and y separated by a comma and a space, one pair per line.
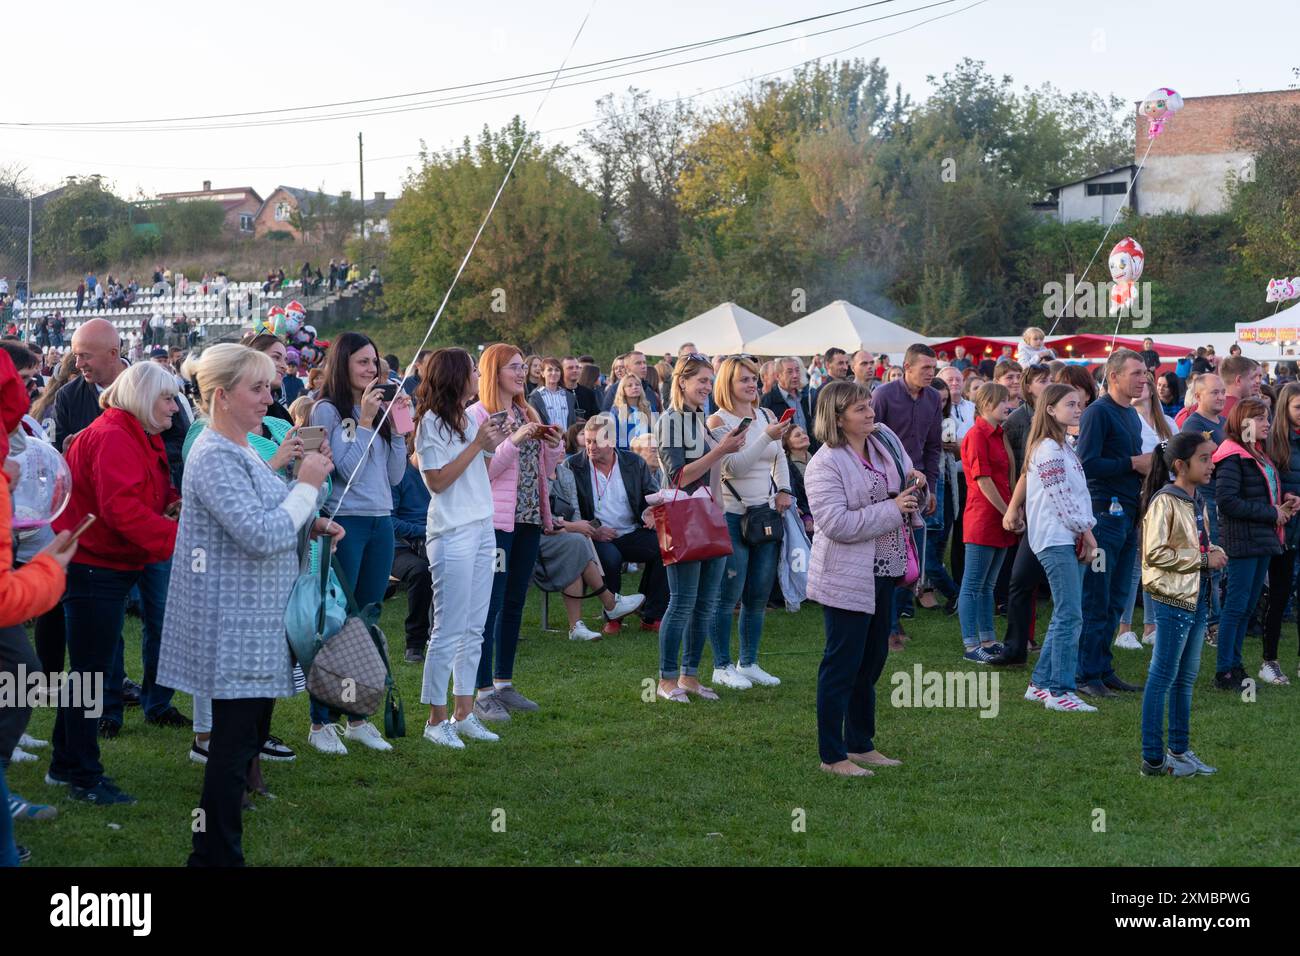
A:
119, 473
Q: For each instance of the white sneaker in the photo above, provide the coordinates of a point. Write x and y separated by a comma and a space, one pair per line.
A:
1270, 673
1149, 639
1069, 702
624, 604
1129, 641
326, 740
730, 677
22, 756
756, 675
444, 735
472, 728
633, 567
1036, 695
367, 734
28, 742
580, 632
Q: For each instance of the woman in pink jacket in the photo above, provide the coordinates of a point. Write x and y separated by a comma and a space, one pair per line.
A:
521, 515
854, 486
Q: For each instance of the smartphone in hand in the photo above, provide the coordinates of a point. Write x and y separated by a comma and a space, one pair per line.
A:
789, 414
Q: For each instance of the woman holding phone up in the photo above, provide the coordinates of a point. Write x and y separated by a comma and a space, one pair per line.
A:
370, 455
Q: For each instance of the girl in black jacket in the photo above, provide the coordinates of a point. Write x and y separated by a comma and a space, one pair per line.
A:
1284, 448
1252, 513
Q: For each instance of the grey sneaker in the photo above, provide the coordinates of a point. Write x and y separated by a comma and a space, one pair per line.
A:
1190, 757
1169, 767
490, 708
512, 700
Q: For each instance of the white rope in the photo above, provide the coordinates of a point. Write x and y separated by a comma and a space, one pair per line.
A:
465, 261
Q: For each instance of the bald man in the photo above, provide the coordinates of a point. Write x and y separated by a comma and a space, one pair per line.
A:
97, 350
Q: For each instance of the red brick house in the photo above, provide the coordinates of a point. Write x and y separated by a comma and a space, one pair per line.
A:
241, 204
1190, 161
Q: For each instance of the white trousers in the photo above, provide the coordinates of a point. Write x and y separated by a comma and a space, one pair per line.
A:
461, 563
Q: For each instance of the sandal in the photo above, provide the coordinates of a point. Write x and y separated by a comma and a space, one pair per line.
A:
677, 695
702, 692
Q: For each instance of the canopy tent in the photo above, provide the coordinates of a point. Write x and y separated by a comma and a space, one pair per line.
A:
722, 330
838, 325
977, 347
1091, 346
1278, 330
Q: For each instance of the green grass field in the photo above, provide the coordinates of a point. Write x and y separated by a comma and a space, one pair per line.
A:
600, 777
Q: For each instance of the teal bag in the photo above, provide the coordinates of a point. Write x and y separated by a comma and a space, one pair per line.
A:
317, 609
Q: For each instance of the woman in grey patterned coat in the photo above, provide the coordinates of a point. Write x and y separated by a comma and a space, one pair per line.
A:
223, 635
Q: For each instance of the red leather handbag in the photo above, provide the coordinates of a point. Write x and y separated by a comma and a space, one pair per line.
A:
691, 529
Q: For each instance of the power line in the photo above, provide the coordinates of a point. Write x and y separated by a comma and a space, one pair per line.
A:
465, 100
664, 51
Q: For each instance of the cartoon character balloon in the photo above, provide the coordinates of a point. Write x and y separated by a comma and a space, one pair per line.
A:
1126, 261
1283, 289
1158, 106
295, 313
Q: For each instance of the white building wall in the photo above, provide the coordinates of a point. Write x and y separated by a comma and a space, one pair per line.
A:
1189, 183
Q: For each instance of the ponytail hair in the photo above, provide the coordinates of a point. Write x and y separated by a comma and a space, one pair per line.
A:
1180, 447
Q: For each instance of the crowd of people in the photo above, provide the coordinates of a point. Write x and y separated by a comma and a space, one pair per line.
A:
962, 488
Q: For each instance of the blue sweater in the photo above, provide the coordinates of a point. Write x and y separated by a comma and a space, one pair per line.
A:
410, 507
1109, 435
373, 472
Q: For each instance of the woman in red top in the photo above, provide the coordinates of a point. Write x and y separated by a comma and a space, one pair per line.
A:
120, 474
987, 466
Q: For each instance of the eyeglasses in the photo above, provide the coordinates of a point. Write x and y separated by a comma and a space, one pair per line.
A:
514, 367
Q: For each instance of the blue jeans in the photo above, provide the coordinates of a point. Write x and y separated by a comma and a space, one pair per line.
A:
8, 851
903, 597
365, 558
1104, 591
693, 588
1174, 666
1246, 577
1059, 658
1216, 577
748, 576
506, 610
857, 645
94, 610
936, 539
1148, 611
975, 602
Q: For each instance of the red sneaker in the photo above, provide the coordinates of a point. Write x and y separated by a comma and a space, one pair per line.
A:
650, 626
612, 627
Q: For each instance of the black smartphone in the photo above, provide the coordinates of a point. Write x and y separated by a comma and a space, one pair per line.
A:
744, 423
389, 391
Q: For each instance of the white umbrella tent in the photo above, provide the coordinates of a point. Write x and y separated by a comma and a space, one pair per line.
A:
723, 330
840, 324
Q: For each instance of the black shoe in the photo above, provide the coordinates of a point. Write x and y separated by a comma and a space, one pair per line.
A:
414, 656
1224, 680
171, 717
907, 613
1115, 682
130, 693
1008, 657
1239, 674
950, 609
24, 853
1095, 688
1001, 610
108, 729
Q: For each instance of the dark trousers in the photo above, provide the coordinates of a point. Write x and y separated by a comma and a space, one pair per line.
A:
1281, 587
412, 572
506, 609
1027, 576
642, 547
1106, 590
239, 728
155, 699
1002, 587
94, 609
15, 652
51, 640
958, 538
857, 645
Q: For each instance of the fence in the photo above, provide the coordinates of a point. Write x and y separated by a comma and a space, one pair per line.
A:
15, 256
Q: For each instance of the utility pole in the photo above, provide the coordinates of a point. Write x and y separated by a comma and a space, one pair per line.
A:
361, 161
27, 299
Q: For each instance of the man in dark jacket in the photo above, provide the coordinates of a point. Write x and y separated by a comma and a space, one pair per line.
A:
787, 393
634, 363
612, 488
588, 403
98, 356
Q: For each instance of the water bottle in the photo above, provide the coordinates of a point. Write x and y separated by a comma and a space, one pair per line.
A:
1115, 508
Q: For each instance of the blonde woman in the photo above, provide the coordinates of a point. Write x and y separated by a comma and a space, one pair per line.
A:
757, 474
631, 411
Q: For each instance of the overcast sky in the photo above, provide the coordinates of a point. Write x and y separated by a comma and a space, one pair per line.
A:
83, 62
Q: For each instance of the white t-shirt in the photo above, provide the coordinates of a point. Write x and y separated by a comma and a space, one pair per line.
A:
469, 497
609, 496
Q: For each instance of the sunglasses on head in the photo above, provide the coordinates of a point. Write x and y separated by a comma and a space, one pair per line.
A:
697, 357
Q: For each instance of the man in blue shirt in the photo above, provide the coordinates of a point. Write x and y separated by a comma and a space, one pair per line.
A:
1110, 446
411, 561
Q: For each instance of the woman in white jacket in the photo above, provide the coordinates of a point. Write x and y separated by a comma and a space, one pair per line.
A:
1059, 520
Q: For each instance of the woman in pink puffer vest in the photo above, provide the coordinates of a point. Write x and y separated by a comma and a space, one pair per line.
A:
854, 485
521, 515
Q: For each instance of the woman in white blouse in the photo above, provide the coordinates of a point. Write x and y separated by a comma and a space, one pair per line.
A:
756, 474
1059, 521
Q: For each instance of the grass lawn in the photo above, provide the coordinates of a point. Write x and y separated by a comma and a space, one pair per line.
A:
600, 777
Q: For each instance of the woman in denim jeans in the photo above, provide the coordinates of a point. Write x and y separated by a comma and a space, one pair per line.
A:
691, 459
1059, 522
756, 475
1177, 557
939, 524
